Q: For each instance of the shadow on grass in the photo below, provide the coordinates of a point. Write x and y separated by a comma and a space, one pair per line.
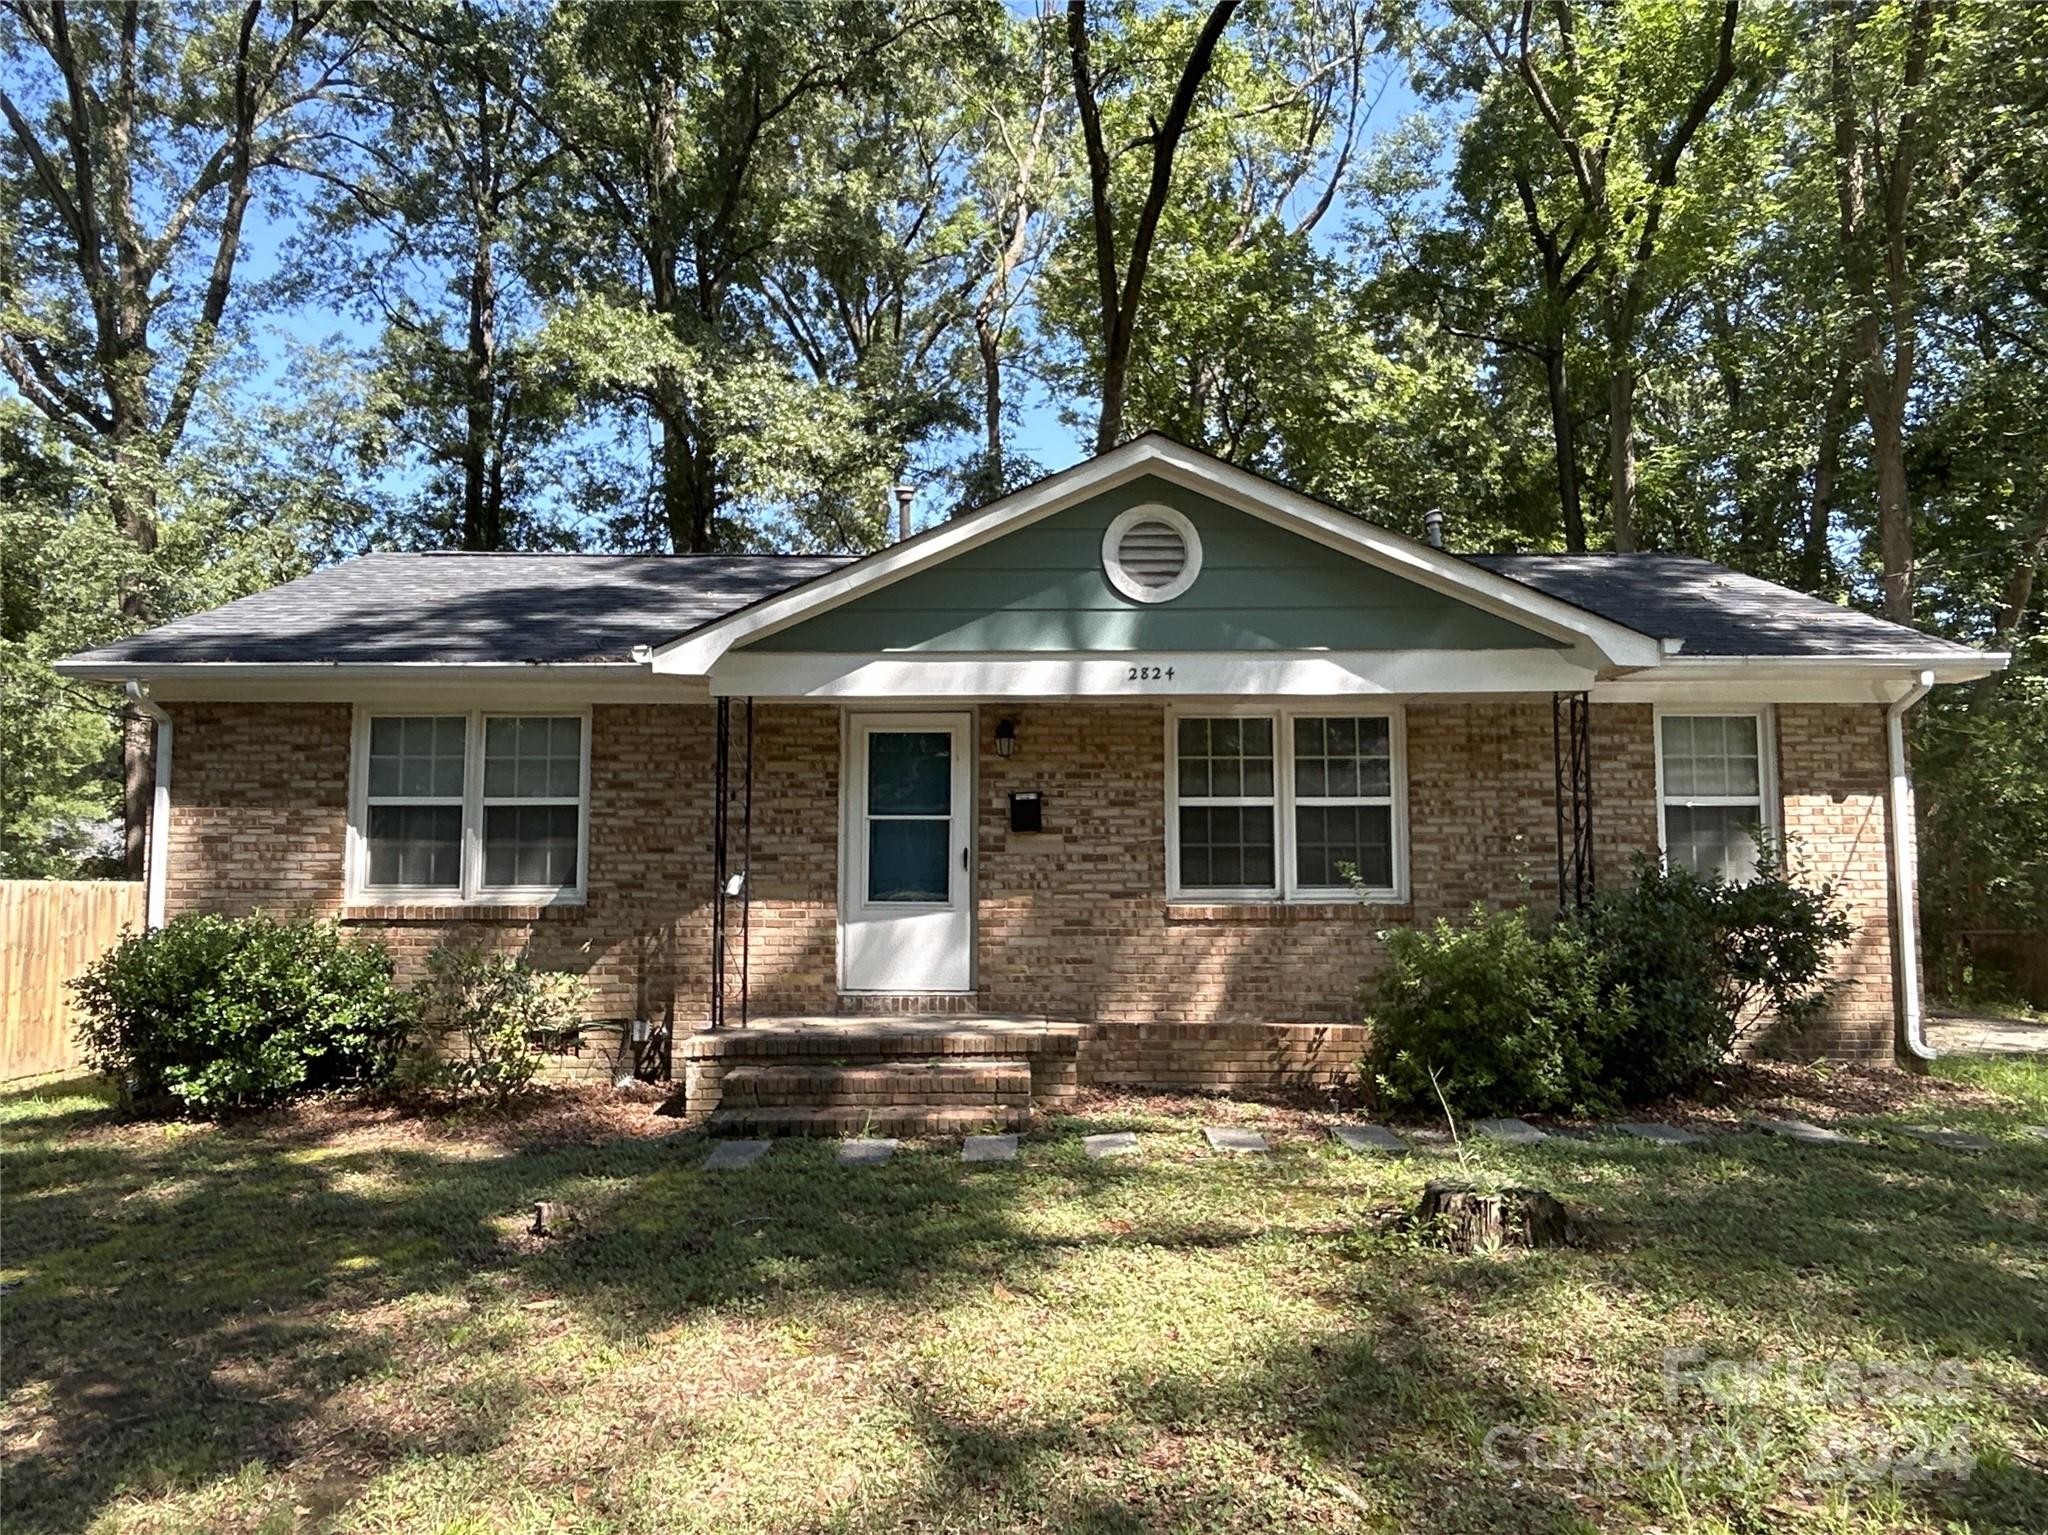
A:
186, 1301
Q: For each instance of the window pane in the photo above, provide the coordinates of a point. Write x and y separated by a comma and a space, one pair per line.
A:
1331, 837
1712, 839
417, 757
1225, 758
910, 772
530, 845
415, 846
1343, 758
1224, 847
909, 860
536, 758
1712, 756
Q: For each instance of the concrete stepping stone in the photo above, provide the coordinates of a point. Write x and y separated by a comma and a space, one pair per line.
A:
1801, 1131
1516, 1132
989, 1148
1370, 1138
1661, 1134
1235, 1142
1954, 1140
865, 1153
1114, 1143
735, 1154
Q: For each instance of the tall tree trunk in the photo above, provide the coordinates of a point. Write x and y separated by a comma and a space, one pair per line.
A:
482, 514
1119, 290
1817, 563
1618, 310
1565, 445
988, 342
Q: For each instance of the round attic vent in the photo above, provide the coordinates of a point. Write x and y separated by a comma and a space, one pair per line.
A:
1151, 554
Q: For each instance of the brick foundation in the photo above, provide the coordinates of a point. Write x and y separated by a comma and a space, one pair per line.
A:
1072, 922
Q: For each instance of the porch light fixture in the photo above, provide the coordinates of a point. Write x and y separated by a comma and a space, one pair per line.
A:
1006, 738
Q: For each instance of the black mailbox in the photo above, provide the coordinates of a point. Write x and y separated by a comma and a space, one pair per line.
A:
1027, 811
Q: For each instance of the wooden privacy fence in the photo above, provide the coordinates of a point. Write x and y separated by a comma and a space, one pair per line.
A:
50, 930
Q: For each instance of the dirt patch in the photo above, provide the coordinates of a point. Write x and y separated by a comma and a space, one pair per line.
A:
555, 1116
1813, 1092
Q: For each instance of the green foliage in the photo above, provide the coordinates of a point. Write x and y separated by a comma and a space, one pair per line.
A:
220, 1013
1637, 996
503, 1010
1705, 964
1493, 1015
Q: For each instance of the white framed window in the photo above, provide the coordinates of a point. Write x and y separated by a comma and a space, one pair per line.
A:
1278, 804
483, 806
1716, 789
1151, 553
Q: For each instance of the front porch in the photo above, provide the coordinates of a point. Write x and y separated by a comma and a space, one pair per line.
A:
807, 1074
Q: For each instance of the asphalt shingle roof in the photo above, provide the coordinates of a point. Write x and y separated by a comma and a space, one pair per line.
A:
1716, 611
564, 608
386, 608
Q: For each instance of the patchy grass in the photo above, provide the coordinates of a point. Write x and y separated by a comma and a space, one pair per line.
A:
333, 1319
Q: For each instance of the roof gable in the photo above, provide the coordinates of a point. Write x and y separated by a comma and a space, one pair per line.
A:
1041, 586
1596, 640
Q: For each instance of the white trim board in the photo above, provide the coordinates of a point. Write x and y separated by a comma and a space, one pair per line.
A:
1206, 674
1597, 641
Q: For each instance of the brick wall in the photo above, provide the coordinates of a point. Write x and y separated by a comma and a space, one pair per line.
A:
1832, 780
1073, 922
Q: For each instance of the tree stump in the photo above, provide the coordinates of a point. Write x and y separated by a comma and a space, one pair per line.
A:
1466, 1220
551, 1219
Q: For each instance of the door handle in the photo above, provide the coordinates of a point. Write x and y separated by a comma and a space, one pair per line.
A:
963, 858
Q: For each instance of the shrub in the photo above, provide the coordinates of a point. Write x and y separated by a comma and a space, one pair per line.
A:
1636, 997
226, 1013
501, 1008
1706, 964
1497, 1015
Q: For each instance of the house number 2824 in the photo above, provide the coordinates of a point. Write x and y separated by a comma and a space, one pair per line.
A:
1148, 674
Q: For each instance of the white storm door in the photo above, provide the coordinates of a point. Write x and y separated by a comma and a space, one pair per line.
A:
907, 913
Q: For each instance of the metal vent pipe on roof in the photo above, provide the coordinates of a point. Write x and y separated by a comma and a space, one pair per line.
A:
1433, 528
905, 494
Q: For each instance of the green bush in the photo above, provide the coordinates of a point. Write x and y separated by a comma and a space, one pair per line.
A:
502, 1009
1638, 996
222, 1013
1706, 964
1495, 1015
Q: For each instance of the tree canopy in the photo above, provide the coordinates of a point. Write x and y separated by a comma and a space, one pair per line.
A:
293, 279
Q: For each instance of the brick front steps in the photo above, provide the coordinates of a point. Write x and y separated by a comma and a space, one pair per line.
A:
881, 1076
885, 1119
944, 1082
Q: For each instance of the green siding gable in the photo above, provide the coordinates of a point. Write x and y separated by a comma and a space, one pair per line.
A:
1041, 588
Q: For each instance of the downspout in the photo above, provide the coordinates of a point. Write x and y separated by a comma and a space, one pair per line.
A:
1912, 1025
160, 807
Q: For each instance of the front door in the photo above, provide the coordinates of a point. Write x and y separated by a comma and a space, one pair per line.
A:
906, 914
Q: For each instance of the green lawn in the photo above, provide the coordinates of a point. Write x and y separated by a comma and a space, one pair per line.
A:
334, 1321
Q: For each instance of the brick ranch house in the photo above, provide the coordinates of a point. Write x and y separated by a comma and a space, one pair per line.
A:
1066, 789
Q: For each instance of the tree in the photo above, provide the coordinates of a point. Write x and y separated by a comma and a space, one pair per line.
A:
679, 130
426, 211
1120, 267
143, 131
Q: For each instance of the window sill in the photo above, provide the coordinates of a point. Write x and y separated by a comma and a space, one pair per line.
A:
455, 911
1275, 913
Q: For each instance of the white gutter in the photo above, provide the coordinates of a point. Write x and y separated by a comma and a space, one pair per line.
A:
160, 807
1912, 1025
